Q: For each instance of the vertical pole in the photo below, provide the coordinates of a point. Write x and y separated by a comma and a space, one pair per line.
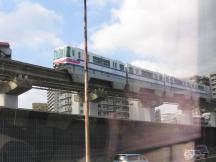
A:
87, 136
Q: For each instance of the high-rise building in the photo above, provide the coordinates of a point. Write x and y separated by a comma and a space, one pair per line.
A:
200, 79
213, 85
52, 100
114, 107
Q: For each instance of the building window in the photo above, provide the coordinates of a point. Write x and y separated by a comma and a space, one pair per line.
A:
76, 98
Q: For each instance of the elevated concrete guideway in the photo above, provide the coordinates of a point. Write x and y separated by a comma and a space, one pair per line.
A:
38, 75
42, 76
17, 77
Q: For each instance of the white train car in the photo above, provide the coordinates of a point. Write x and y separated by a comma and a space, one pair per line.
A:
139, 78
119, 74
100, 68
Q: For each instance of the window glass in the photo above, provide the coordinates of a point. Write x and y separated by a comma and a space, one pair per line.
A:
137, 71
101, 61
130, 70
121, 67
79, 55
68, 50
76, 98
146, 74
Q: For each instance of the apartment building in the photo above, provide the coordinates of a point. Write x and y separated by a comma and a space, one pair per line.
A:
213, 85
72, 103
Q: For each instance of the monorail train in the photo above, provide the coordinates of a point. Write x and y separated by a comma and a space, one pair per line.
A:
100, 68
5, 50
119, 74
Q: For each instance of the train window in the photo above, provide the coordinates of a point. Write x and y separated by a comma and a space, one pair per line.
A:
88, 58
68, 49
55, 54
121, 67
187, 84
146, 74
101, 61
167, 79
73, 53
178, 82
79, 55
137, 71
61, 53
130, 70
114, 65
172, 80
160, 77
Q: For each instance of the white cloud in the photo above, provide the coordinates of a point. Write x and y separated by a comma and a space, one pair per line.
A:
30, 24
163, 30
32, 96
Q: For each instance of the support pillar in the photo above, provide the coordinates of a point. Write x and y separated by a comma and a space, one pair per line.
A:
10, 90
188, 116
143, 111
10, 101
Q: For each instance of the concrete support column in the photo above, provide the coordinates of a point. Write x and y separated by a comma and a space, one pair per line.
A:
141, 112
8, 100
188, 116
150, 105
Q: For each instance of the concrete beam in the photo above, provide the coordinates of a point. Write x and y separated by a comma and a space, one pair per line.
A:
151, 103
15, 87
97, 95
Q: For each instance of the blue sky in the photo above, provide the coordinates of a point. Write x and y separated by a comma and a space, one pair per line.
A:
65, 23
